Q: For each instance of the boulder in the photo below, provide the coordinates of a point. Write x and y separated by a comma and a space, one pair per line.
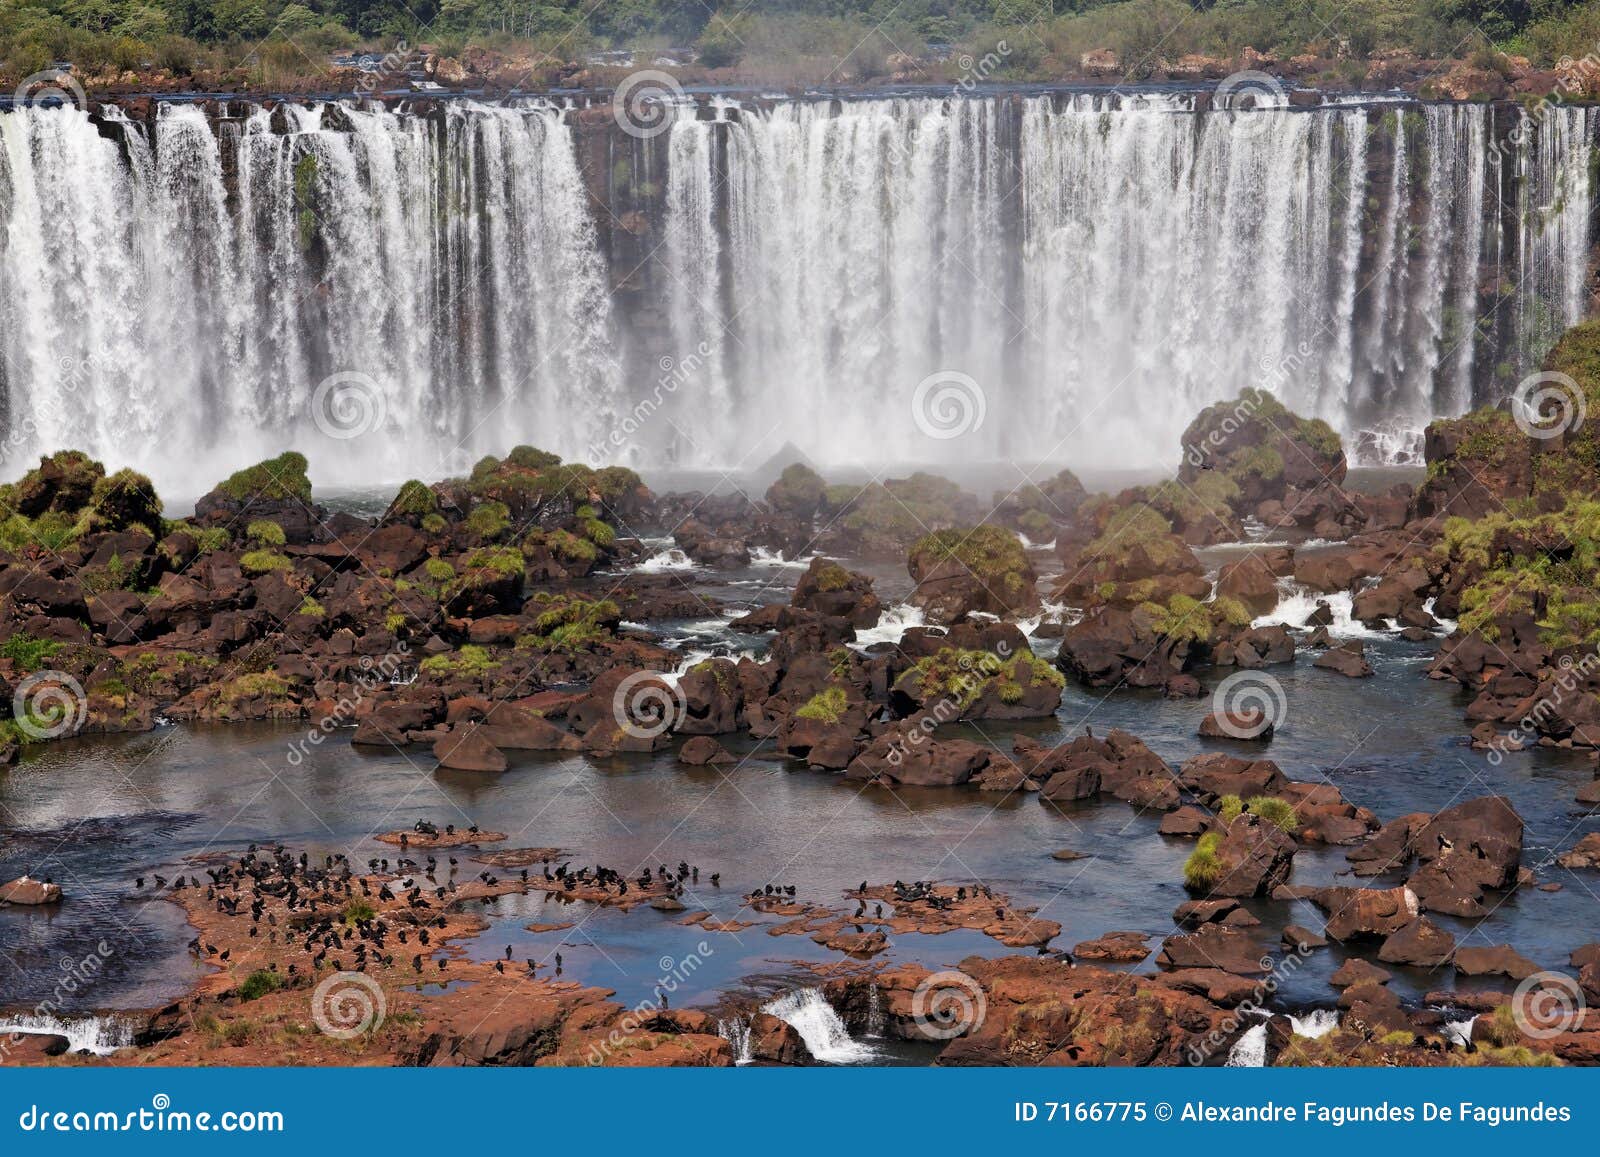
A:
1213, 946
1421, 943
513, 728
1253, 858
1584, 854
927, 762
1346, 659
830, 590
1366, 913
703, 750
25, 891
466, 749
1497, 960
1115, 947
1356, 971
1249, 724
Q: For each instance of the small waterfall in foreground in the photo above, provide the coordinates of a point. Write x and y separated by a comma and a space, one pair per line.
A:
1250, 1050
1319, 1022
99, 1035
825, 1034
1458, 1032
736, 1031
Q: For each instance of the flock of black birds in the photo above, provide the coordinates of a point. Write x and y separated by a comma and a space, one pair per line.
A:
327, 921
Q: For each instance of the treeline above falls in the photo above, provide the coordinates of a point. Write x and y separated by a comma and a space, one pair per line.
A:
1083, 271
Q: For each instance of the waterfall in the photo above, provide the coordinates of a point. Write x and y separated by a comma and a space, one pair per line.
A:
1344, 257
1250, 1050
99, 1035
810, 1014
1077, 274
1319, 1022
1458, 1032
875, 1019
181, 288
736, 1031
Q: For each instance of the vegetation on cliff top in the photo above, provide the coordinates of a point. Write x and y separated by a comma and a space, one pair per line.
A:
284, 42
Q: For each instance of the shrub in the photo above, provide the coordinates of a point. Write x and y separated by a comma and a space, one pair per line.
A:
1203, 868
259, 562
259, 983
489, 519
266, 532
276, 478
415, 498
827, 705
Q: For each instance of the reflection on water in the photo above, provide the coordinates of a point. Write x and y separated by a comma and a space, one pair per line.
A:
93, 814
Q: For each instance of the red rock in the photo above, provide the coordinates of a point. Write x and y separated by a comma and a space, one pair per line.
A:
1116, 947
1357, 971
464, 749
1421, 943
27, 891
1498, 960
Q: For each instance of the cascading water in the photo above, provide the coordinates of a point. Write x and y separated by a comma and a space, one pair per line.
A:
1104, 266
186, 289
1097, 267
825, 1034
1317, 1023
736, 1031
100, 1035
1250, 1050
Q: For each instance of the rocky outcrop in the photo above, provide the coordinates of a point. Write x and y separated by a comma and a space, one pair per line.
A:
981, 568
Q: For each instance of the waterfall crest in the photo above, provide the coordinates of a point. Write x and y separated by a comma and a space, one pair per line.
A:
1098, 266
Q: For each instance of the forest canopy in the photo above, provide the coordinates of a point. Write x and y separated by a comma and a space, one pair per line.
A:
181, 35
